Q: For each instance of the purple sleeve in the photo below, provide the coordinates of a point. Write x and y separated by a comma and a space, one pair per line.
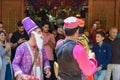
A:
45, 60
88, 66
17, 60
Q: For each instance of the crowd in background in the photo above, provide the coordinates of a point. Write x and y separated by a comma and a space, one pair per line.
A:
105, 45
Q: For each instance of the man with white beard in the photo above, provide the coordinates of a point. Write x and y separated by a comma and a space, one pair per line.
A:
30, 60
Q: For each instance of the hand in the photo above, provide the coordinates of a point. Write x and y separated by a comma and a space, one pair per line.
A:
7, 46
32, 78
48, 73
47, 41
61, 31
99, 68
21, 40
91, 54
22, 76
7, 58
24, 40
25, 77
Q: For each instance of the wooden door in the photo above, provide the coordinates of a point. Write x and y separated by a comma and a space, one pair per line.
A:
118, 14
0, 10
104, 10
12, 12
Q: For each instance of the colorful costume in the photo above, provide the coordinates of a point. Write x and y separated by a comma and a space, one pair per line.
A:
24, 59
30, 60
83, 40
72, 56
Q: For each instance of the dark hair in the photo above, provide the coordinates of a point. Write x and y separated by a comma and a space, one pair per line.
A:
101, 33
19, 24
1, 22
81, 30
2, 32
44, 23
70, 32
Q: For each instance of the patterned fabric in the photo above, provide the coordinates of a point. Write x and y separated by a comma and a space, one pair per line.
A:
48, 49
24, 59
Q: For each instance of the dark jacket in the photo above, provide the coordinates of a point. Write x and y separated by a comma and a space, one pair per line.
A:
115, 47
69, 69
102, 54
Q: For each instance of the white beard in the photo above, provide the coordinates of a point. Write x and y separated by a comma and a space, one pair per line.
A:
39, 40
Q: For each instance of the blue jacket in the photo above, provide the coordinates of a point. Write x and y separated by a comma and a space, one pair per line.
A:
102, 54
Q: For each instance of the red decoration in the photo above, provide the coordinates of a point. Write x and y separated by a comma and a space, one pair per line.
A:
44, 3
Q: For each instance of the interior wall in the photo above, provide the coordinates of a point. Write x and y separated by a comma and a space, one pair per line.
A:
0, 10
104, 10
12, 12
118, 14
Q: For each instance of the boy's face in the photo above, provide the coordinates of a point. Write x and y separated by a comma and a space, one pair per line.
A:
99, 38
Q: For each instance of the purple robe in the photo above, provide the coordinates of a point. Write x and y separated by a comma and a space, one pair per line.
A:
24, 59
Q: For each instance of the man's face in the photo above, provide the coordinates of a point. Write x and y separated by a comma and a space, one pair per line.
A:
21, 28
98, 24
39, 31
46, 28
1, 27
113, 33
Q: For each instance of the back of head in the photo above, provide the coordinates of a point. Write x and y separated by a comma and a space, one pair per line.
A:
101, 33
71, 25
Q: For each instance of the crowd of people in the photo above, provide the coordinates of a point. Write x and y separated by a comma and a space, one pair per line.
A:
30, 52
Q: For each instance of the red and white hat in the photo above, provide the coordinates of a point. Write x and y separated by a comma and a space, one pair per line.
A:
73, 22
